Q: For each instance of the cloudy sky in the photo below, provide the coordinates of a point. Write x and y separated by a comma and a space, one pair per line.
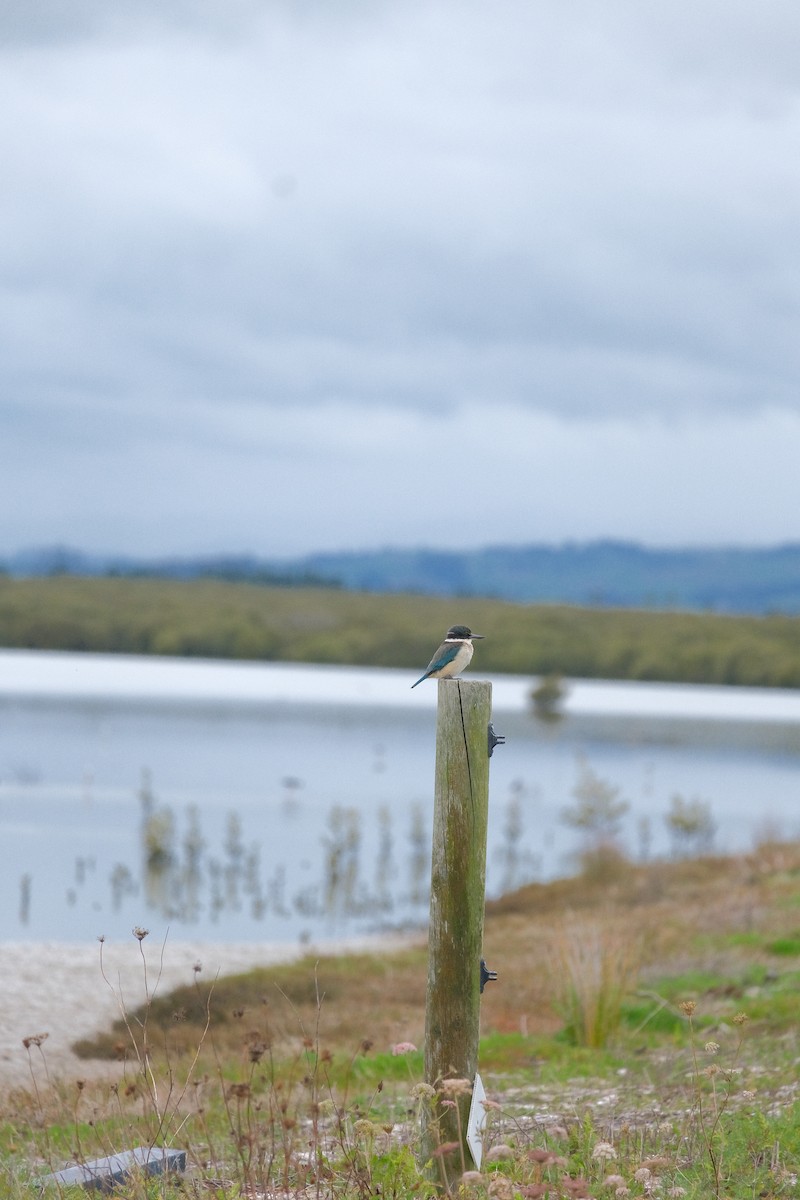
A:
283, 275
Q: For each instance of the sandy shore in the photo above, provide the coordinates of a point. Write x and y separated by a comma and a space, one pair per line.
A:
59, 989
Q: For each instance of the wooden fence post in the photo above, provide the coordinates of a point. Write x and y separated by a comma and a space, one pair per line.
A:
455, 936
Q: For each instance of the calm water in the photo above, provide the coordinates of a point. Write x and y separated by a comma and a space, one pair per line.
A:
270, 802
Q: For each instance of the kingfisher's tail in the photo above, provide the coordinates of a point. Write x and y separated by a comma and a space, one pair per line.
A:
425, 676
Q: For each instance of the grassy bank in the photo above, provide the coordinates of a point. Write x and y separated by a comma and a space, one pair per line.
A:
642, 1039
244, 621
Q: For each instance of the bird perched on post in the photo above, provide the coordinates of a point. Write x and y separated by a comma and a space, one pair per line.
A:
453, 656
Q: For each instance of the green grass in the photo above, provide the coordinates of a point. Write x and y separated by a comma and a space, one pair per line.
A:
785, 947
650, 1017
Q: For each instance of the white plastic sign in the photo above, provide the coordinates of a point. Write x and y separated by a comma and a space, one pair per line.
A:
477, 1121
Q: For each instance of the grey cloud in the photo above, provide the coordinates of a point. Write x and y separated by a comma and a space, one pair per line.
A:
585, 210
51, 22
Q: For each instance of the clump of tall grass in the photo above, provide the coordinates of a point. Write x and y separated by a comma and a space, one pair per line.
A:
592, 967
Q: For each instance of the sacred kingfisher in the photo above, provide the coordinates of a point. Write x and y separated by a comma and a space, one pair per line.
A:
453, 656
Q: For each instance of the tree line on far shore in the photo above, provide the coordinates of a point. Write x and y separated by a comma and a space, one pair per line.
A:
216, 619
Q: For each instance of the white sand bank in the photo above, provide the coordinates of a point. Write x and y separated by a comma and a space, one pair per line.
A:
59, 989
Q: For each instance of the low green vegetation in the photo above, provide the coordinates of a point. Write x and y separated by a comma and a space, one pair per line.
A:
674, 1076
245, 621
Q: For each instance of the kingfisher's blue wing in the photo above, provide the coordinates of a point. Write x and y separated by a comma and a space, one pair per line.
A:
444, 655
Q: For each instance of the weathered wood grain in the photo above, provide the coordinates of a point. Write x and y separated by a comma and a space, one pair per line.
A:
455, 938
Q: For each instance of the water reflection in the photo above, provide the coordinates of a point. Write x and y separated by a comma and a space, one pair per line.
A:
517, 864
183, 881
280, 821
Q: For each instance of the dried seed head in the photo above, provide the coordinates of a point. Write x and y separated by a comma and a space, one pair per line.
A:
446, 1148
403, 1048
579, 1188
500, 1153
604, 1150
456, 1087
501, 1188
35, 1039
366, 1129
257, 1050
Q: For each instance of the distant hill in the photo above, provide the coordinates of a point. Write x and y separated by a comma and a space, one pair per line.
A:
62, 560
597, 574
605, 574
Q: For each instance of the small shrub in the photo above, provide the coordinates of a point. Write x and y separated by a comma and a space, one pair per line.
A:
690, 825
602, 864
548, 698
593, 968
598, 810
